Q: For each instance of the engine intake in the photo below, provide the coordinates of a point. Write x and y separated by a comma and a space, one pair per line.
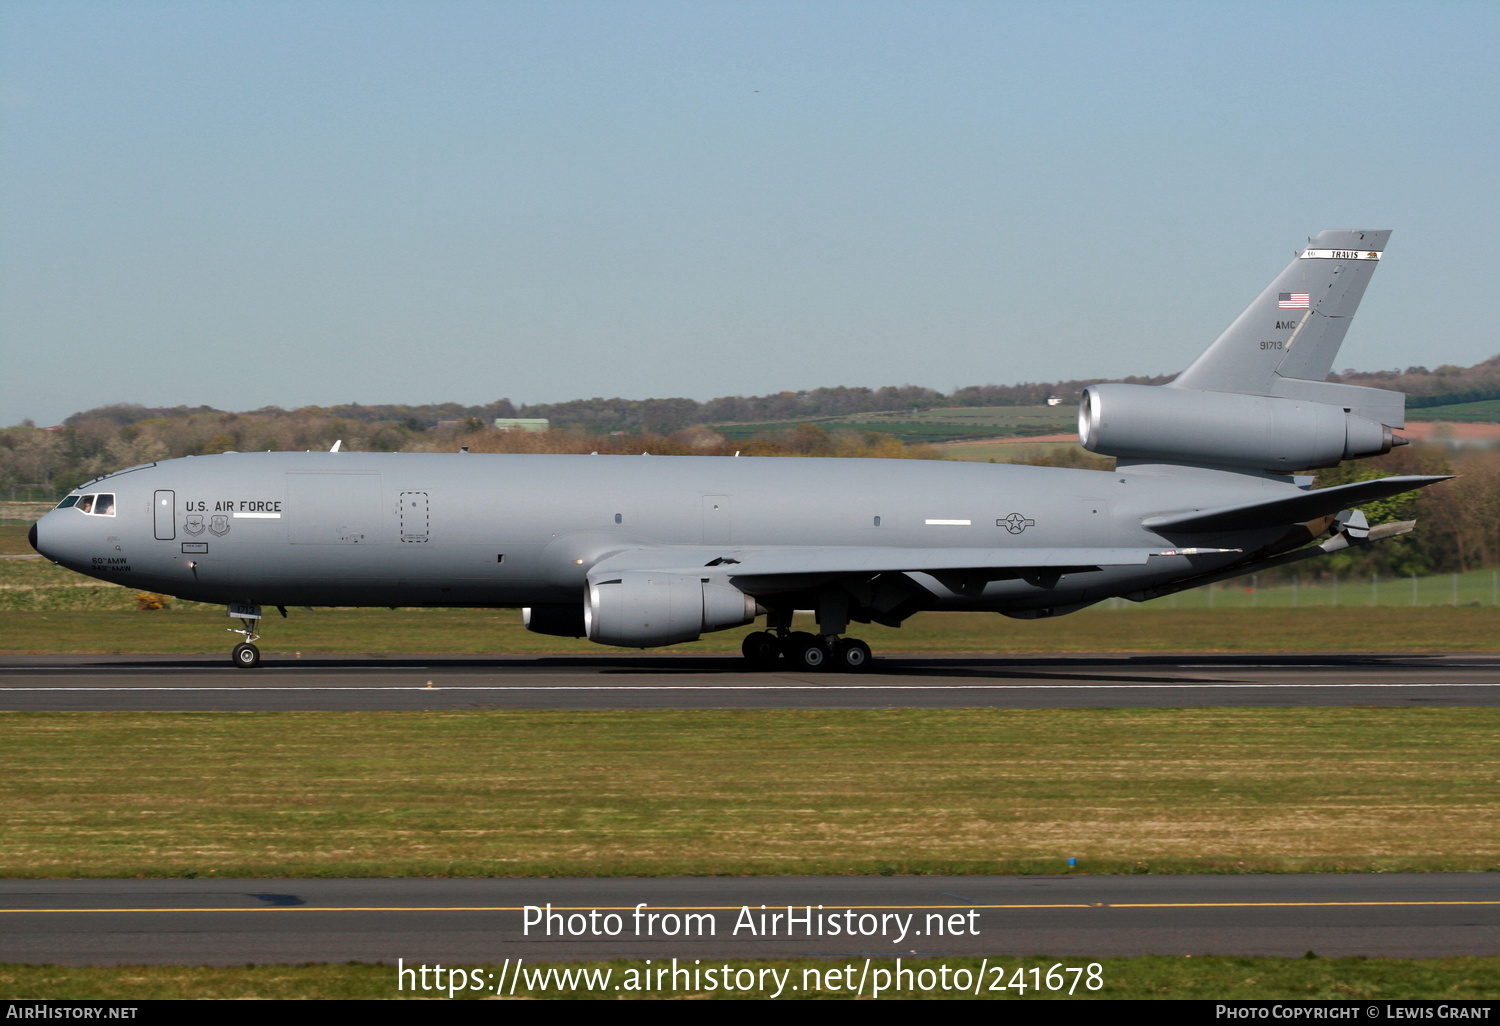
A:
1223, 428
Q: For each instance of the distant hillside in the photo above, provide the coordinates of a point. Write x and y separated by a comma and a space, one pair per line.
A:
1446, 385
844, 404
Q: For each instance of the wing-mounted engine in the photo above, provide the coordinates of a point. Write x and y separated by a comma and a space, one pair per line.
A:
1260, 432
643, 609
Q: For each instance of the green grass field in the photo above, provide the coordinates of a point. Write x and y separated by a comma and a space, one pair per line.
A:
1339, 591
766, 792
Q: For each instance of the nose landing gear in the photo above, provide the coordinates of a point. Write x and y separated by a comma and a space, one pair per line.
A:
245, 655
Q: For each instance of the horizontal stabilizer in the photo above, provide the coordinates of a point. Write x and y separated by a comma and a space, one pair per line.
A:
1292, 509
1378, 404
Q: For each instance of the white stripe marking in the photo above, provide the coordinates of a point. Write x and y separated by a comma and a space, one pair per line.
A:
1340, 254
257, 516
952, 523
749, 687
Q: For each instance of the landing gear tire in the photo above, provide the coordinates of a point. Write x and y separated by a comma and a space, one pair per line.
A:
811, 654
851, 656
246, 657
762, 650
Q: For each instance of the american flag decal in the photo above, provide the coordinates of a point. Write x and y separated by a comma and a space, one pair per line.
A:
1294, 301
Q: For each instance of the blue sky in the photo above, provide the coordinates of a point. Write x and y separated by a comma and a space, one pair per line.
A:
257, 203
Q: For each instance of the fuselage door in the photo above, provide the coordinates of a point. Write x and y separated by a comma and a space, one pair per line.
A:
164, 507
414, 517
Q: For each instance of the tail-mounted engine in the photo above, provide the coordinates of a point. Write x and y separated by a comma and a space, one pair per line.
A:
1182, 425
641, 609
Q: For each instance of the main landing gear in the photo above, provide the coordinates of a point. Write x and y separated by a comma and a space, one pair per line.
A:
765, 650
779, 645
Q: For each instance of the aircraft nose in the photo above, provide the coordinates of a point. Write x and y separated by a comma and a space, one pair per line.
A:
58, 540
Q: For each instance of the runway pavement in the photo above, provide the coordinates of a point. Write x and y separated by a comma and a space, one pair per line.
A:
722, 682
484, 922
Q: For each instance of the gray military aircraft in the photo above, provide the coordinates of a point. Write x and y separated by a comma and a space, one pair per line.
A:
642, 551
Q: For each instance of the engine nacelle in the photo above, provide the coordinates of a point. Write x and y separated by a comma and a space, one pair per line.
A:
1223, 428
642, 609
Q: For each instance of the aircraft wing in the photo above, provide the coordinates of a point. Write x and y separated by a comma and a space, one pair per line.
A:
865, 561
1293, 509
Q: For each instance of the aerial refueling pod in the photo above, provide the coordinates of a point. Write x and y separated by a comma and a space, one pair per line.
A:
1183, 425
641, 609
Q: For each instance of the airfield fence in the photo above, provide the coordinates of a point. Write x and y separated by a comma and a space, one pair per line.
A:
1475, 588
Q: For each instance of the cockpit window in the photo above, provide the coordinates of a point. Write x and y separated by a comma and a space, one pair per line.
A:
70, 500
101, 505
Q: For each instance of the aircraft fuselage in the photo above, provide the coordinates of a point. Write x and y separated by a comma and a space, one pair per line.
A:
424, 529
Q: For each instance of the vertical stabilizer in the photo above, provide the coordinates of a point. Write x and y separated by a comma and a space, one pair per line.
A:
1294, 328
